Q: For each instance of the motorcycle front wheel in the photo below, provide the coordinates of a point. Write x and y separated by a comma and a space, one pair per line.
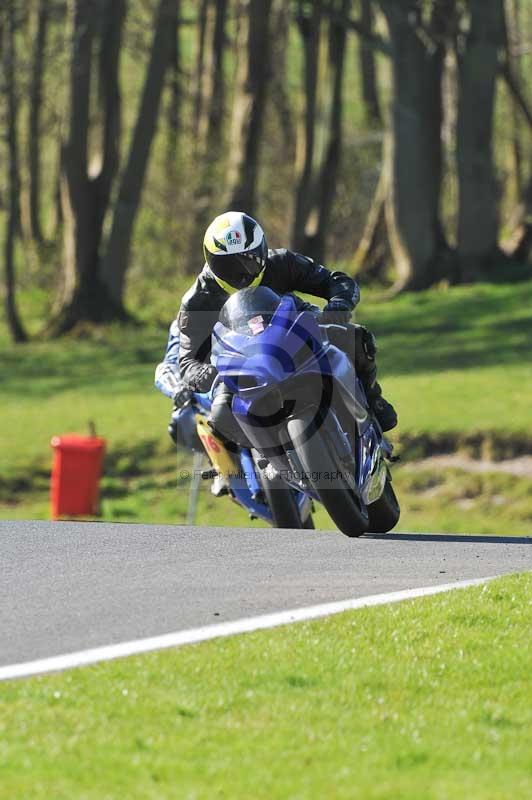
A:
384, 513
324, 472
281, 500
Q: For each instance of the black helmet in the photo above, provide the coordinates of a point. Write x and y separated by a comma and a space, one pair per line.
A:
236, 251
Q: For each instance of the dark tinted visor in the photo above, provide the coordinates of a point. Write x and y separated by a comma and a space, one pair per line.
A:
239, 269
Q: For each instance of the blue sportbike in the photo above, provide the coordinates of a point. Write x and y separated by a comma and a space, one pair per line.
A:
304, 414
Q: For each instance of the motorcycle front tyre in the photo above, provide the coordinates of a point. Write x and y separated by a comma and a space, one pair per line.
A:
384, 513
324, 472
281, 501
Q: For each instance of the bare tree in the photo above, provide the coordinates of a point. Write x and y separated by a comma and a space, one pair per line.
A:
478, 67
413, 205
34, 121
9, 62
519, 245
85, 195
132, 181
280, 96
368, 68
173, 112
210, 124
373, 250
325, 187
201, 33
249, 105
93, 286
215, 84
512, 43
309, 23
209, 97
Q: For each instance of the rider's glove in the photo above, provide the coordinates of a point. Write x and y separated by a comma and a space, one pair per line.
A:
336, 312
181, 395
205, 378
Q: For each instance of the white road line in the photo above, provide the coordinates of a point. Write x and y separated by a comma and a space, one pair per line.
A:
112, 651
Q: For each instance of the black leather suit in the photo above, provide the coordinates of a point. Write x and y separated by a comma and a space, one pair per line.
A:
285, 271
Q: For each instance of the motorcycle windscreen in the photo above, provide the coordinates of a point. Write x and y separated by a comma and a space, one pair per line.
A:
250, 311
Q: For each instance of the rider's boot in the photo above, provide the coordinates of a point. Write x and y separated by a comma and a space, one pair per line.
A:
362, 349
219, 486
381, 408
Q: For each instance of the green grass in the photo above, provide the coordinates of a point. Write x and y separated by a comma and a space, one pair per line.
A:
424, 700
457, 359
445, 501
451, 361
457, 501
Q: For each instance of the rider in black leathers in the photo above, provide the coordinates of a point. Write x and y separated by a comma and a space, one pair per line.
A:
246, 261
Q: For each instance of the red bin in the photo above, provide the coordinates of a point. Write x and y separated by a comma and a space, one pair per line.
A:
76, 471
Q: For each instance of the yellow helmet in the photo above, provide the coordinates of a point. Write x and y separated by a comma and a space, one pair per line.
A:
235, 249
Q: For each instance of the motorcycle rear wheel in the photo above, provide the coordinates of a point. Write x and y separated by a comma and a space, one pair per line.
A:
317, 460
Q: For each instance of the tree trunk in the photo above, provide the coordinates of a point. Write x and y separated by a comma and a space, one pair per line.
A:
368, 71
34, 121
16, 329
110, 101
280, 96
200, 69
519, 245
85, 198
57, 218
172, 112
413, 205
210, 138
512, 43
478, 66
319, 220
309, 28
249, 105
373, 250
216, 85
80, 290
132, 181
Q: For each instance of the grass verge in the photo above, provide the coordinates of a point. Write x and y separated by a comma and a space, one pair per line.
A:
426, 699
455, 363
438, 500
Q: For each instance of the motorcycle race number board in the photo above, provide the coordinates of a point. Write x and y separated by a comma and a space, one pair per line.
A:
215, 449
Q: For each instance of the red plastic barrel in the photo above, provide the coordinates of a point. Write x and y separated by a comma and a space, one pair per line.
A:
76, 471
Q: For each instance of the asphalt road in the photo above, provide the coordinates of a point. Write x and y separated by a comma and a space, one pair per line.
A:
69, 586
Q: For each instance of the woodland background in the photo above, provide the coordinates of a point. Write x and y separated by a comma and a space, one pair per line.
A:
388, 138
391, 137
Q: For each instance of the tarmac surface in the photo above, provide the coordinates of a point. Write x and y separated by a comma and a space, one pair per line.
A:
69, 586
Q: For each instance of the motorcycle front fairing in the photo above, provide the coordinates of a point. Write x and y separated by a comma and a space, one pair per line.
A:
290, 361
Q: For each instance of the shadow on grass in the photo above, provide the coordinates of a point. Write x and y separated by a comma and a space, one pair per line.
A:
484, 325
138, 460
108, 364
130, 460
426, 332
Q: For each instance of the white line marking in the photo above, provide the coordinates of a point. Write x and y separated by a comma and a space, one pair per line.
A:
122, 649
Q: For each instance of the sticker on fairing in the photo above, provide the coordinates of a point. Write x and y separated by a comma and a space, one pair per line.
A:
256, 325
